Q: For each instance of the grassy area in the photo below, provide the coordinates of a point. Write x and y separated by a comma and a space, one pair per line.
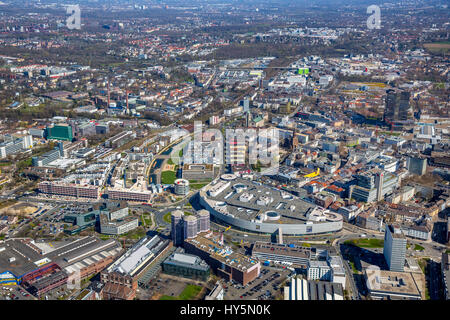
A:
447, 251
135, 234
147, 219
168, 177
104, 237
189, 293
388, 133
438, 47
423, 264
418, 247
352, 264
167, 217
366, 243
197, 186
170, 162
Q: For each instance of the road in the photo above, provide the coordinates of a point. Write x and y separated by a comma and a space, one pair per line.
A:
348, 270
434, 278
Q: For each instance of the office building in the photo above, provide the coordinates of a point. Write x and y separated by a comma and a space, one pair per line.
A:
397, 106
394, 248
177, 227
391, 285
319, 270
287, 253
373, 185
445, 269
117, 226
190, 227
59, 132
14, 144
203, 221
186, 266
181, 187
184, 227
223, 260
235, 150
416, 165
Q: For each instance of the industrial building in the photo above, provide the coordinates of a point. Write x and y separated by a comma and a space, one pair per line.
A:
301, 289
120, 139
42, 267
121, 278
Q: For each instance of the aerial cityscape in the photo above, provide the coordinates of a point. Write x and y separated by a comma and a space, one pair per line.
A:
224, 150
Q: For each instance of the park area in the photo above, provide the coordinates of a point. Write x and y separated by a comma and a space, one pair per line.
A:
438, 47
366, 243
168, 177
190, 292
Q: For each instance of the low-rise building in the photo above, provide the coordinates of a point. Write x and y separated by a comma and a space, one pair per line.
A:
391, 285
186, 265
301, 289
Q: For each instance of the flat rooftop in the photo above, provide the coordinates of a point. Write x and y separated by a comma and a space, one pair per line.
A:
30, 255
281, 249
390, 282
222, 252
247, 200
133, 260
187, 260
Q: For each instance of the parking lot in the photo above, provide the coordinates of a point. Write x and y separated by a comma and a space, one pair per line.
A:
266, 287
14, 293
